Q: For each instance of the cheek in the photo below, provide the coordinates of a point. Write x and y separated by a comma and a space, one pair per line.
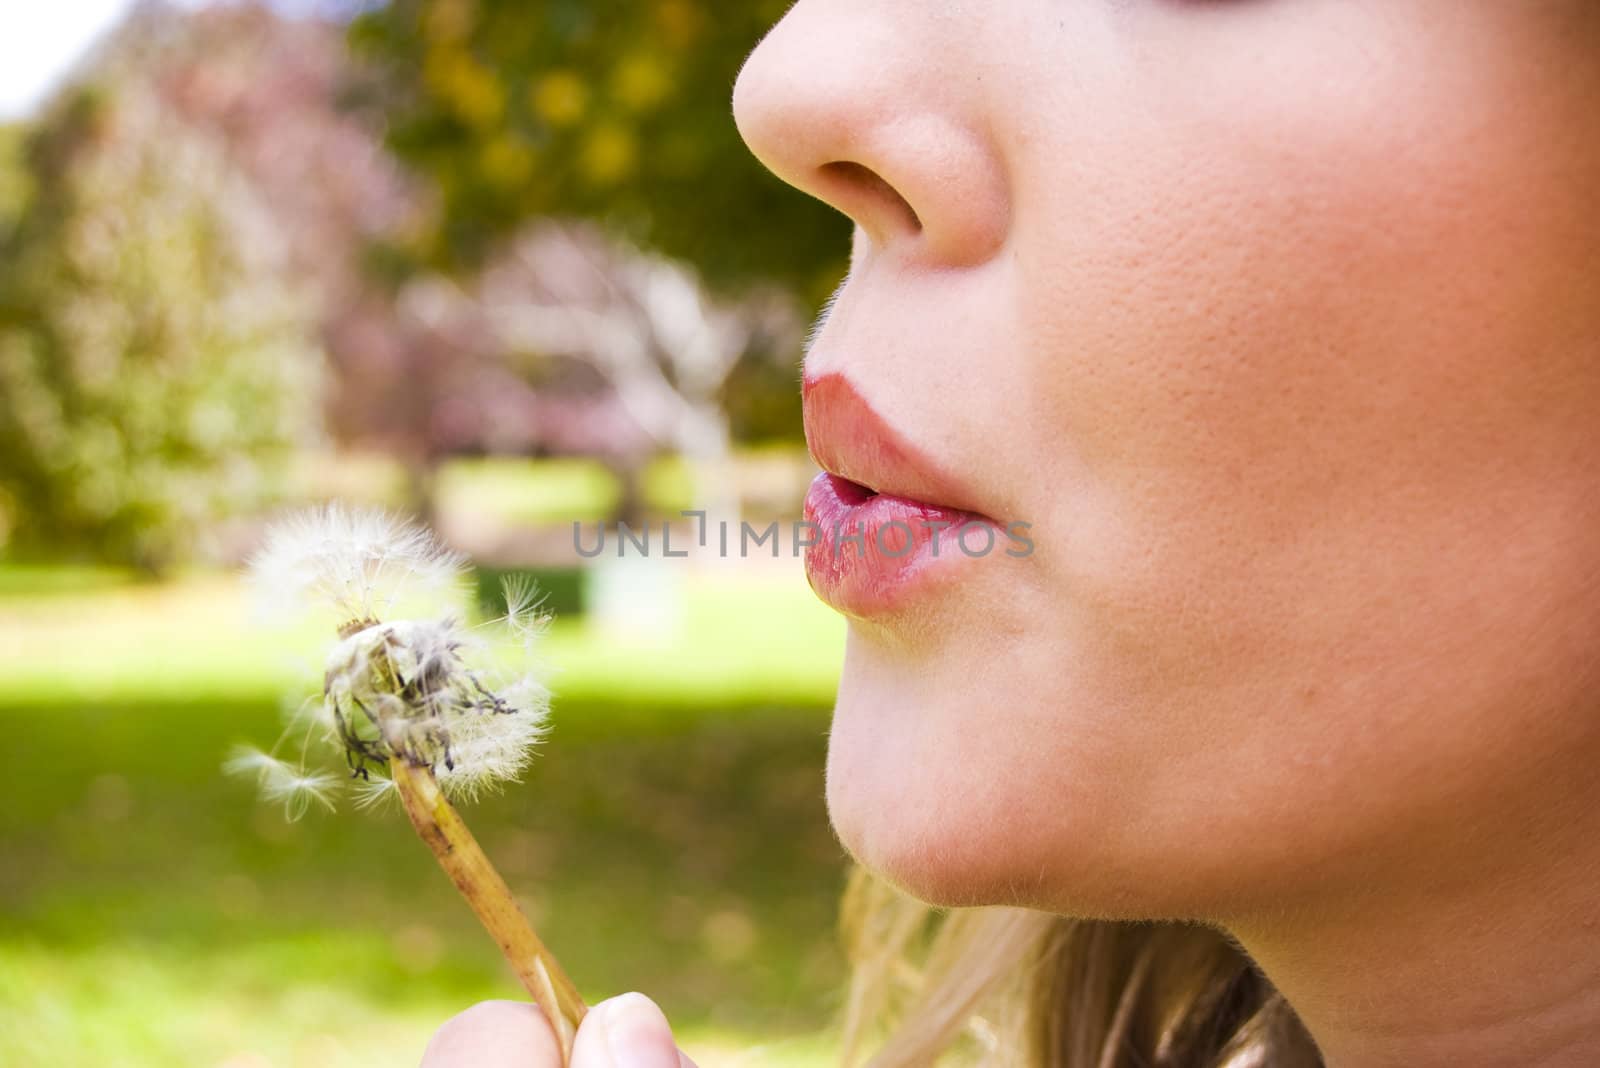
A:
1266, 350
1402, 224
1300, 404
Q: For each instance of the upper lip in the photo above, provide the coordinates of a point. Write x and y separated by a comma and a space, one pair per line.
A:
847, 438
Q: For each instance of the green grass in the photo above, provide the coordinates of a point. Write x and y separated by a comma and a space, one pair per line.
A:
512, 490
671, 838
41, 580
100, 635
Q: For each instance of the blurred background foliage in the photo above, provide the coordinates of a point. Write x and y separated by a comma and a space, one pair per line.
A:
613, 109
157, 359
503, 264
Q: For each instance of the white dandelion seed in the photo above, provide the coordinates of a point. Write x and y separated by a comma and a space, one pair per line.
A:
375, 794
279, 780
355, 563
248, 760
524, 616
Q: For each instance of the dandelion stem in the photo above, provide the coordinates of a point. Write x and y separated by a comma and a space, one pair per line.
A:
441, 827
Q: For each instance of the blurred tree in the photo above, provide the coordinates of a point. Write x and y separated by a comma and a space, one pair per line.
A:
645, 330
155, 364
13, 180
267, 89
424, 365
614, 110
419, 369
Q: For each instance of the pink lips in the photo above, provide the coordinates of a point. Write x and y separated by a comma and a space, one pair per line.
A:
879, 534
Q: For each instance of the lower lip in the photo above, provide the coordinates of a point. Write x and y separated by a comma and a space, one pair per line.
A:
874, 550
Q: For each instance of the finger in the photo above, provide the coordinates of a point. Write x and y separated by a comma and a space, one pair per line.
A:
494, 1034
627, 1031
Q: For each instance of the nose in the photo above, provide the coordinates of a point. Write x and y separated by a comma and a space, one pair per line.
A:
874, 111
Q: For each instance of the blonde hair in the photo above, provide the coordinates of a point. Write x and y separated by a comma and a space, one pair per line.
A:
1016, 987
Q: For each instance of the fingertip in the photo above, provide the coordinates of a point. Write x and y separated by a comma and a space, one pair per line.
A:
636, 1011
493, 1034
626, 1031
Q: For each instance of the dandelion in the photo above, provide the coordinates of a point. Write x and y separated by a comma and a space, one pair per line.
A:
420, 706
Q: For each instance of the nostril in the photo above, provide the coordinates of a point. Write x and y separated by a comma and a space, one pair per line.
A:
854, 179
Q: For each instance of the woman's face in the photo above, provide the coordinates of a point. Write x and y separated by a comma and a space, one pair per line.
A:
1279, 322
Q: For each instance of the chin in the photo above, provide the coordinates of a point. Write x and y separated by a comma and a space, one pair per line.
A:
923, 848
955, 781
915, 790
902, 824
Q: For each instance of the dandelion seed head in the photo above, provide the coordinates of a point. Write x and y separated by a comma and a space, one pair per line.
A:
409, 688
424, 688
